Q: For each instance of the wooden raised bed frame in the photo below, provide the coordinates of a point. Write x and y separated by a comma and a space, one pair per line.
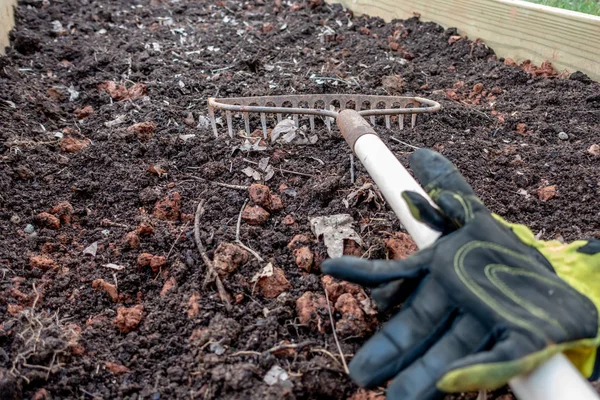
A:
512, 28
7, 21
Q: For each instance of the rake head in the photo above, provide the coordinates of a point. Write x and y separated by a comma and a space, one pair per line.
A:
324, 105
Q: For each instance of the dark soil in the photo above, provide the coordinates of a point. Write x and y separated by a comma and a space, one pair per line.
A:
499, 124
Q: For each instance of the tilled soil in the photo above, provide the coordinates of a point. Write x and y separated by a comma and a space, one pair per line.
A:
147, 325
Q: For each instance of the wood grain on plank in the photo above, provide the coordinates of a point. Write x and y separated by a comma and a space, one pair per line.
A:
512, 28
7, 21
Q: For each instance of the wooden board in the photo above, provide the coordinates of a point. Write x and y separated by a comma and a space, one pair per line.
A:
7, 21
512, 28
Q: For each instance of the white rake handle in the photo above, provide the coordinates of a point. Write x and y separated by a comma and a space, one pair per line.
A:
557, 379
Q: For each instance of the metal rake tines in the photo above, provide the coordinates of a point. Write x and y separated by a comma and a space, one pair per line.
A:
324, 105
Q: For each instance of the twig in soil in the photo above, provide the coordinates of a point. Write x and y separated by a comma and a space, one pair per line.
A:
209, 264
337, 342
177, 239
352, 168
287, 171
237, 235
290, 346
246, 353
226, 185
404, 143
323, 351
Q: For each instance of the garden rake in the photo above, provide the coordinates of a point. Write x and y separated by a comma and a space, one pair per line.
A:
324, 105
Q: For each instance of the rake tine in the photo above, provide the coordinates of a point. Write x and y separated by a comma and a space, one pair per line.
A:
229, 123
295, 116
311, 118
413, 121
279, 118
263, 121
387, 122
401, 121
211, 113
247, 123
328, 123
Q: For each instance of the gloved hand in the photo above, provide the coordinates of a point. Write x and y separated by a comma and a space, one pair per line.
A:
485, 303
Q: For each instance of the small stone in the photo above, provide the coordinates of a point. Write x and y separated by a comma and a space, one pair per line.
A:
29, 228
260, 195
255, 215
132, 240
272, 286
128, 319
351, 248
15, 219
42, 262
168, 208
116, 369
169, 285
48, 220
563, 136
109, 288
288, 220
189, 120
304, 258
228, 257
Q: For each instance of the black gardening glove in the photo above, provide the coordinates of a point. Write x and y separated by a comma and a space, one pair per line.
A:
485, 303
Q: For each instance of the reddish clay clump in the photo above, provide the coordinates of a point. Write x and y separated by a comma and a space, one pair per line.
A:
353, 321
107, 287
116, 369
304, 258
255, 215
168, 208
132, 240
70, 144
400, 246
143, 130
48, 220
272, 286
128, 319
228, 257
42, 262
312, 311
63, 210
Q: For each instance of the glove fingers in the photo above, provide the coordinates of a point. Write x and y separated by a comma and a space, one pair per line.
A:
376, 272
424, 212
391, 294
435, 171
405, 337
494, 368
418, 381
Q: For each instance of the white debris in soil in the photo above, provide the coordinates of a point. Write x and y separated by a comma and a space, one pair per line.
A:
275, 375
91, 250
217, 348
334, 229
117, 121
